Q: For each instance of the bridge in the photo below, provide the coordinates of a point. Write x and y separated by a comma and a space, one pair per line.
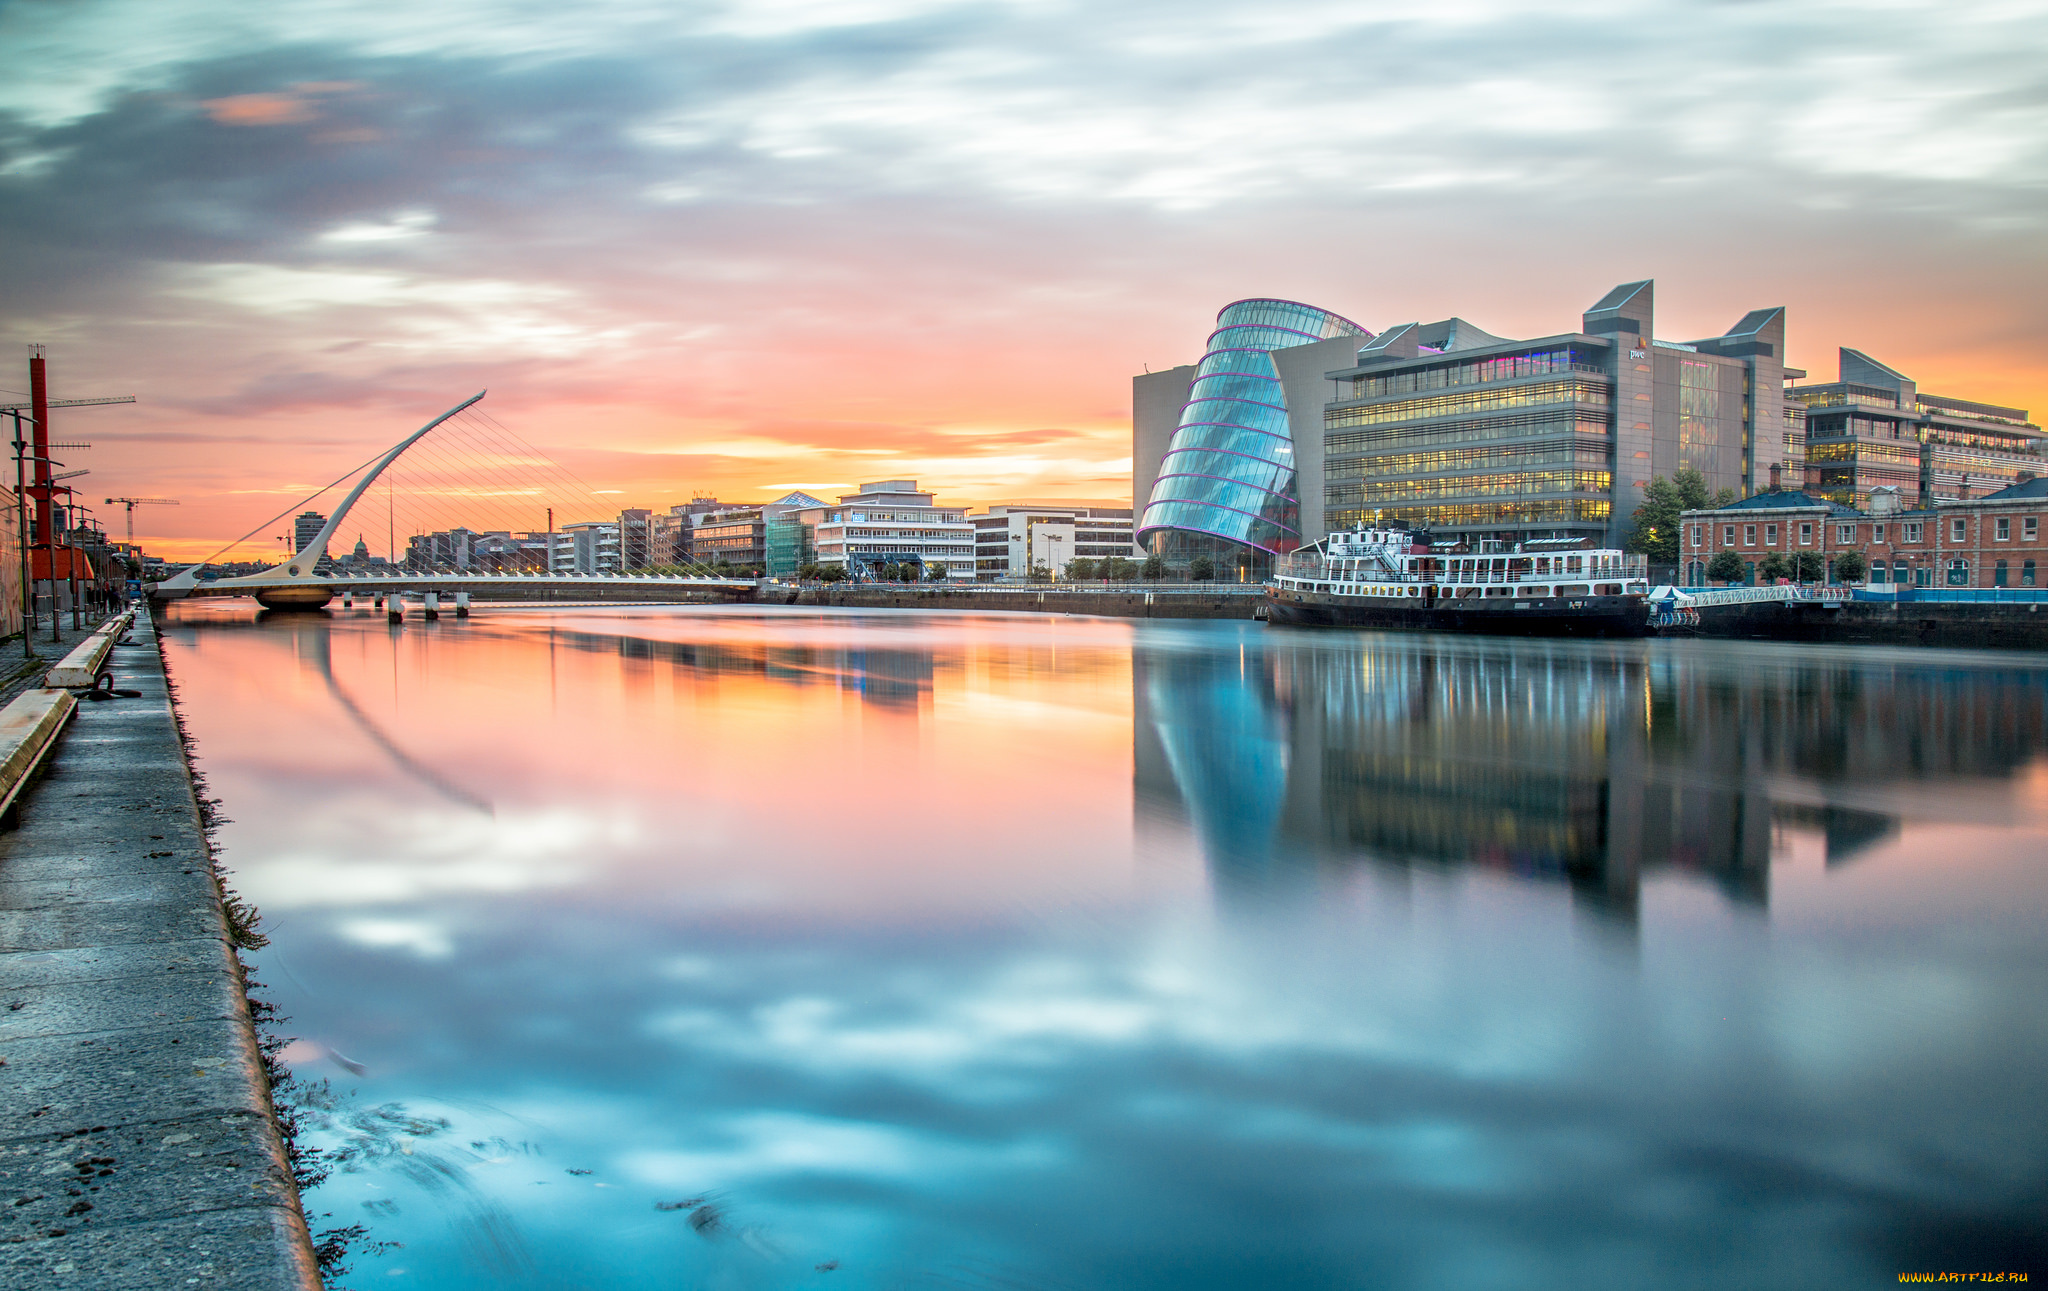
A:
299, 582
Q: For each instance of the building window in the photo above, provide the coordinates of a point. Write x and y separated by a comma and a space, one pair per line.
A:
2027, 574
1959, 571
1998, 574
1845, 534
1749, 573
1727, 535
1749, 535
2030, 528
1806, 535
1923, 576
1877, 533
1910, 532
2003, 530
1770, 535
1958, 530
1696, 536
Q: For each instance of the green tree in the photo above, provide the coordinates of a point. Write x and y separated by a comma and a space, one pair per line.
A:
1657, 519
1809, 567
1081, 569
1117, 569
1040, 572
1154, 567
1774, 567
1201, 569
1851, 567
935, 570
1725, 567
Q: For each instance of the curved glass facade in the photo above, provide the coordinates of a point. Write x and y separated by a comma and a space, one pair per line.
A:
1229, 471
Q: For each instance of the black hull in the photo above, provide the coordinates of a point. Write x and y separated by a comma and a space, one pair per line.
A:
1577, 616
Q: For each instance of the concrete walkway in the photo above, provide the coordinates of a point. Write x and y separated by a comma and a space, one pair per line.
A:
137, 1147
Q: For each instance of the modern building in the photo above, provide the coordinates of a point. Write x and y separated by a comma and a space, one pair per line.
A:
1872, 428
1448, 428
892, 522
742, 536
1013, 538
1216, 445
588, 547
1992, 541
305, 528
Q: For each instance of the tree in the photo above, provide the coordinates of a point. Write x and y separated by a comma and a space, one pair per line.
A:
1851, 567
1657, 526
1080, 569
1809, 567
1040, 572
1201, 569
1774, 567
1726, 567
1117, 569
935, 570
1154, 567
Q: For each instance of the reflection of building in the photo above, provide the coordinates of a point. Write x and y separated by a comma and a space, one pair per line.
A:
1010, 539
1565, 763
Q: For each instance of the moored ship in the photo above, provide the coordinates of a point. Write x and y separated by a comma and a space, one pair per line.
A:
1391, 578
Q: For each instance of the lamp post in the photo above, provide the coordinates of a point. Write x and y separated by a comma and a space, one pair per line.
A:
28, 586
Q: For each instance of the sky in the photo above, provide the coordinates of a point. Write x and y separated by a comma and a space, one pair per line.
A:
743, 248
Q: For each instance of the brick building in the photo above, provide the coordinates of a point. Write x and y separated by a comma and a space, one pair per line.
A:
1992, 541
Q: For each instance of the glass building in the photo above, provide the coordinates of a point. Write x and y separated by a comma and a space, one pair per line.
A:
1227, 487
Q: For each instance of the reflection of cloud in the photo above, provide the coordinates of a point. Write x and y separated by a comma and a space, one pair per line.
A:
259, 109
766, 1144
427, 940
358, 858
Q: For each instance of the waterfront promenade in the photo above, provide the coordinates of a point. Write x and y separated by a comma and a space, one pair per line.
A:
137, 1146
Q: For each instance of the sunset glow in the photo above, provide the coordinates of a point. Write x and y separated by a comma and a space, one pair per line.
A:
741, 249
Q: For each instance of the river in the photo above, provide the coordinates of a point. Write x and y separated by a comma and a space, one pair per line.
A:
745, 948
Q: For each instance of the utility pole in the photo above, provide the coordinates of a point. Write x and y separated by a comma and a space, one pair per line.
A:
42, 533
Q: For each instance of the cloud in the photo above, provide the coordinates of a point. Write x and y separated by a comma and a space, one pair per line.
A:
925, 227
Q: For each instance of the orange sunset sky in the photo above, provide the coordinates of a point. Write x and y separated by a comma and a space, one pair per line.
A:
748, 248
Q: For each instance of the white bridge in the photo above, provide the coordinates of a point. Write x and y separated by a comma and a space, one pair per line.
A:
299, 583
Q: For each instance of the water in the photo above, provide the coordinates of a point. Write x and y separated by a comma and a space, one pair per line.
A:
753, 949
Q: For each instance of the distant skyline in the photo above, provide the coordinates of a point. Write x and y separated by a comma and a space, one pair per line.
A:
749, 248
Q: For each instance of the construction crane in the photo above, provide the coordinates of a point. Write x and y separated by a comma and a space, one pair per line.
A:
132, 503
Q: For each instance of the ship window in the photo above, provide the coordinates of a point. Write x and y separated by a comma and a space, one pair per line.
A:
1607, 589
1535, 591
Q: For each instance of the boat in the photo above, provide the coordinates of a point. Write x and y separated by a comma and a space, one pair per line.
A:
1398, 579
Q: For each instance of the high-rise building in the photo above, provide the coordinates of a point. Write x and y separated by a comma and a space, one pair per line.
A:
306, 528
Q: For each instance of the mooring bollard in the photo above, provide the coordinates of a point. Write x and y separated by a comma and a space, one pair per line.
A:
348, 600
430, 604
462, 605
394, 608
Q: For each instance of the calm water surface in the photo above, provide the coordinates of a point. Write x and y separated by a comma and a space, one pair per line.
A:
748, 949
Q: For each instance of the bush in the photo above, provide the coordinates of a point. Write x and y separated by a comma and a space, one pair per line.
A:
1155, 567
1851, 567
1117, 569
1726, 567
1202, 569
1080, 569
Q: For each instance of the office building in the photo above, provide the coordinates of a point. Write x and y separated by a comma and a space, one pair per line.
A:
739, 535
1872, 428
1013, 538
588, 547
1449, 428
305, 528
892, 522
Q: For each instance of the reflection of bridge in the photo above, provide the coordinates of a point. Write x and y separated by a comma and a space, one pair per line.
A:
299, 583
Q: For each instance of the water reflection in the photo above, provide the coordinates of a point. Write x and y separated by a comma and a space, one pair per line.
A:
1582, 764
901, 950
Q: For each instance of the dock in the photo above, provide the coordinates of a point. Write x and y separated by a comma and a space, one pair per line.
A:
138, 1146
